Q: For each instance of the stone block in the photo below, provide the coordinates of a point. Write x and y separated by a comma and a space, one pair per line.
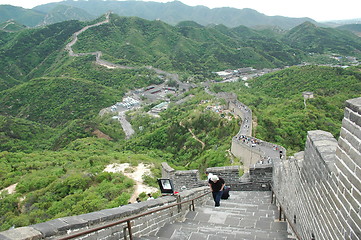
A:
345, 163
354, 105
345, 159
355, 221
119, 212
73, 222
347, 113
355, 118
345, 182
351, 128
22, 233
354, 181
51, 227
357, 196
355, 155
343, 144
354, 204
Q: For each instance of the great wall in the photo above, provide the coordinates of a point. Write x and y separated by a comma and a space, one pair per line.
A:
317, 192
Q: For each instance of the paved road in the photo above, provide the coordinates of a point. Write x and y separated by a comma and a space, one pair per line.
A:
127, 127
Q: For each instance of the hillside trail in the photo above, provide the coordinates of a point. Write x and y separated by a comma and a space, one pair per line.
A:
194, 136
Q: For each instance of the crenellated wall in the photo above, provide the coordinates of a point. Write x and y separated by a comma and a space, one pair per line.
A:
182, 179
319, 189
258, 178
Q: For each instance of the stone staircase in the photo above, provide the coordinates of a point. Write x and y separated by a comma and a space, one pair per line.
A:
244, 216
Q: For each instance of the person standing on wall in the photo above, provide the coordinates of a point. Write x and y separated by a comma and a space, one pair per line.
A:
209, 175
217, 184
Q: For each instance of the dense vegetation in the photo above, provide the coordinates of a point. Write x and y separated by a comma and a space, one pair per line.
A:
278, 103
58, 184
55, 146
27, 53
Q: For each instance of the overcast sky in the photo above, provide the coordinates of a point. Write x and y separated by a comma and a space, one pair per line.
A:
319, 10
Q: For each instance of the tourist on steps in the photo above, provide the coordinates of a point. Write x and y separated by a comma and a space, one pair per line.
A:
217, 184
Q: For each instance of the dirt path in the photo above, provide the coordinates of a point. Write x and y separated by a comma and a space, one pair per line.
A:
194, 136
136, 173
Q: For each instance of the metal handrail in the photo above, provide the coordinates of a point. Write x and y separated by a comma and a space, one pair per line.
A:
284, 215
127, 220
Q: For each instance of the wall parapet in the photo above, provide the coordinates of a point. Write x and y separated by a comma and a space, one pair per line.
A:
145, 225
258, 178
320, 188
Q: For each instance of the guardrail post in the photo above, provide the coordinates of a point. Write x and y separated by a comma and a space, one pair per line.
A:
280, 214
129, 230
179, 206
125, 233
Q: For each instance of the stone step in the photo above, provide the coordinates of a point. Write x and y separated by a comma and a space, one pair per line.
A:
150, 238
194, 231
245, 215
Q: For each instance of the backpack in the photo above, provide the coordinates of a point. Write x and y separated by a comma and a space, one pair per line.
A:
225, 194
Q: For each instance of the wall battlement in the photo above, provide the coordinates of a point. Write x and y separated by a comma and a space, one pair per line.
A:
320, 188
258, 178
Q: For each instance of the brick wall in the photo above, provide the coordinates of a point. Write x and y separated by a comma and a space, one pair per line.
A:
182, 179
319, 189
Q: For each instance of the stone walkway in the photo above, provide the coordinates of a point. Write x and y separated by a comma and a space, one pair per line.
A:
244, 216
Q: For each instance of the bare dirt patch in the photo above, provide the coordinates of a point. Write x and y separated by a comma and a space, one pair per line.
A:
136, 173
10, 189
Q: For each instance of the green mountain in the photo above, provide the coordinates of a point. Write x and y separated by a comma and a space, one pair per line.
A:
26, 51
355, 28
62, 13
310, 38
137, 42
27, 17
11, 26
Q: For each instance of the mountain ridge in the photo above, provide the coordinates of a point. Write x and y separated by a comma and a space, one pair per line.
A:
170, 12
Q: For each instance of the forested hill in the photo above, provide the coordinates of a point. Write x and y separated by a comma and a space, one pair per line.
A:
311, 38
187, 47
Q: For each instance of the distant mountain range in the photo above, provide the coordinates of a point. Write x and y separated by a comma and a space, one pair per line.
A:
170, 12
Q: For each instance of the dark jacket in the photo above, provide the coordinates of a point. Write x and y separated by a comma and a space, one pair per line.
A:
216, 186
